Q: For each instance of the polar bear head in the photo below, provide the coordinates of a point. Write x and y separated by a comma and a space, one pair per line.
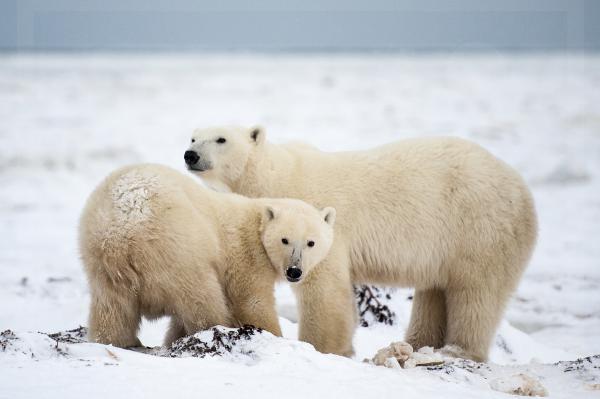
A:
220, 155
296, 236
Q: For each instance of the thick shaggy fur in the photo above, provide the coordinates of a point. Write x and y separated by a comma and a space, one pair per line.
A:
442, 215
154, 242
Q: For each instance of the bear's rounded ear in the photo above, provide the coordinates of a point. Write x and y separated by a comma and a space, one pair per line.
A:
257, 134
269, 213
328, 214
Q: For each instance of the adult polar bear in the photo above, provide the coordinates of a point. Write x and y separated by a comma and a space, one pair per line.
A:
439, 214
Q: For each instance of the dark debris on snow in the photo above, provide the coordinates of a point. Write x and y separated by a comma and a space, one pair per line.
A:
370, 307
5, 337
221, 342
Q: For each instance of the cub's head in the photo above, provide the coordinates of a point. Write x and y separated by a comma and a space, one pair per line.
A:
220, 154
296, 236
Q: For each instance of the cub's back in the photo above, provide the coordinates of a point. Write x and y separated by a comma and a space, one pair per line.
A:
139, 207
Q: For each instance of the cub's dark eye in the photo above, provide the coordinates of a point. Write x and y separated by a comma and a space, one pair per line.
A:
193, 140
221, 140
285, 241
310, 244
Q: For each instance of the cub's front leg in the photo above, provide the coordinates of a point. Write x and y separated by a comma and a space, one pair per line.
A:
327, 306
252, 298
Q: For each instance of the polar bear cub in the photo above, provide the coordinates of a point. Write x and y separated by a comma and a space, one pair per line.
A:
154, 242
442, 215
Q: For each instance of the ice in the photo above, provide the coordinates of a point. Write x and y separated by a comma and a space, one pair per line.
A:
66, 121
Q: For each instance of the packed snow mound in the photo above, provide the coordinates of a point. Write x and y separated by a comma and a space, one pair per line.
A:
216, 341
36, 346
39, 346
244, 344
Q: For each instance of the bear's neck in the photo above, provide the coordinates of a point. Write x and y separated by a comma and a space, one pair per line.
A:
262, 175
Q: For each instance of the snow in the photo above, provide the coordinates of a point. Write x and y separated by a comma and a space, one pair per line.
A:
265, 366
66, 121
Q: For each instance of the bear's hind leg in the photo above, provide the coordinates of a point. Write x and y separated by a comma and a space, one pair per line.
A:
114, 319
473, 315
428, 319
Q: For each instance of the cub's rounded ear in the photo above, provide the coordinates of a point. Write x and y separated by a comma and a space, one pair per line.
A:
328, 214
257, 134
269, 213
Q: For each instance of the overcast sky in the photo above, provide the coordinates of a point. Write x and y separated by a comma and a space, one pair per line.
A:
271, 25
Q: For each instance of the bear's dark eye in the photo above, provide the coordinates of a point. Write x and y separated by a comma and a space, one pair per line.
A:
221, 140
311, 243
285, 241
193, 140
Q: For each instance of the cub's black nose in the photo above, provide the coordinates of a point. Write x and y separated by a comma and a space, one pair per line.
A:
293, 274
191, 157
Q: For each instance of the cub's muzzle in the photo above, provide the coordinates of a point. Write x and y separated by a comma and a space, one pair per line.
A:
294, 271
293, 274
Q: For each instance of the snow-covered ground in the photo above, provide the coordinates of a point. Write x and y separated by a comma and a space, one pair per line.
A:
66, 121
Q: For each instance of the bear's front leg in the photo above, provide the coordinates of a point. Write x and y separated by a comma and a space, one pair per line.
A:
252, 299
327, 306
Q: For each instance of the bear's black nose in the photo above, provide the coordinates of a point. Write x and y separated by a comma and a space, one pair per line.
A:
293, 274
191, 157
